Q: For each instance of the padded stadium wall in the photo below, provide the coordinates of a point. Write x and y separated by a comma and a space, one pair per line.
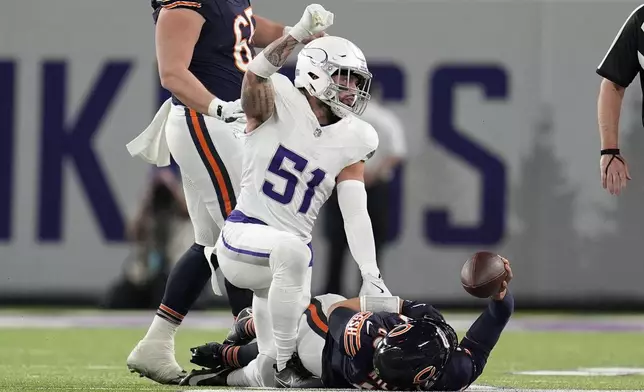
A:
498, 99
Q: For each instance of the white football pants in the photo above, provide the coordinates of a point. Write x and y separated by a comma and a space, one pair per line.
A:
210, 157
276, 265
310, 343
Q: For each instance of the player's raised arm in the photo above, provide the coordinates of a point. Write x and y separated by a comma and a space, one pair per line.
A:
258, 99
480, 339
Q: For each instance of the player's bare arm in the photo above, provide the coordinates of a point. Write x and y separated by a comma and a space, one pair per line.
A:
618, 68
614, 170
609, 105
177, 32
352, 172
266, 31
258, 100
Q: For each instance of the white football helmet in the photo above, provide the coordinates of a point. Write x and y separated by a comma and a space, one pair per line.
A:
326, 56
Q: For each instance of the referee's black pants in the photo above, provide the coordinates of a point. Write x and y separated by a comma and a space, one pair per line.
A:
378, 208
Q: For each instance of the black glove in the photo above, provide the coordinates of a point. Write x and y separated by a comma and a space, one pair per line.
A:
208, 355
419, 310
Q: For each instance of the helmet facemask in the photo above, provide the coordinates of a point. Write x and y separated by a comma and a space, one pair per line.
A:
360, 92
321, 83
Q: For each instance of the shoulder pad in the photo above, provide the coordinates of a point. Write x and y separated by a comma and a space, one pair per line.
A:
287, 93
366, 140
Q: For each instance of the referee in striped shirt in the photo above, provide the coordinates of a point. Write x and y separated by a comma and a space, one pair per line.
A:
620, 65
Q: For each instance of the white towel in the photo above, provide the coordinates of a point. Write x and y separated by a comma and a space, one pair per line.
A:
151, 145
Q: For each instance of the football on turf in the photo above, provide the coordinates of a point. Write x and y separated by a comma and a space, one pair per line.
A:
483, 274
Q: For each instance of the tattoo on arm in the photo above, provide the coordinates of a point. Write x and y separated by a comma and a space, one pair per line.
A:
258, 100
278, 51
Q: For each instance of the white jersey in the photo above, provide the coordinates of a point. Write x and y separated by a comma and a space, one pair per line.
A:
291, 162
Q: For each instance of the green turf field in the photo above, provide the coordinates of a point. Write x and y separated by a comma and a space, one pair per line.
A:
61, 359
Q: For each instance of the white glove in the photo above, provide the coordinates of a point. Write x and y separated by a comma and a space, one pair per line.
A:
314, 20
372, 285
225, 111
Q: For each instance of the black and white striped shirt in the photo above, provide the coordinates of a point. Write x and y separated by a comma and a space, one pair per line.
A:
625, 57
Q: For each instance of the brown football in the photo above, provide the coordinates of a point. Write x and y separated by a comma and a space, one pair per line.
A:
483, 274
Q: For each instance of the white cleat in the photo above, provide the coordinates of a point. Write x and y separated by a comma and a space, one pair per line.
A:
155, 360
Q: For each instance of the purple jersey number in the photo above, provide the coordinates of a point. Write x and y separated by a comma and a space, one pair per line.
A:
299, 164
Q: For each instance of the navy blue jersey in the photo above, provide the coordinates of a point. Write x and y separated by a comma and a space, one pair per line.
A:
347, 359
222, 53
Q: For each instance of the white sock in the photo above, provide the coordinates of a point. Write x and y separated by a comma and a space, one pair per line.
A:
285, 313
161, 329
289, 263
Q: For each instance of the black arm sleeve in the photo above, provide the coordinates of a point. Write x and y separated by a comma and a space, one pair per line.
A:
621, 63
469, 359
486, 330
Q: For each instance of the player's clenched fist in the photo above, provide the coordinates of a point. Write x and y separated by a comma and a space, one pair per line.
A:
313, 23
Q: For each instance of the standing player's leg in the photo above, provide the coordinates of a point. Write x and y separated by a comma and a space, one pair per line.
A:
214, 165
191, 144
153, 356
238, 298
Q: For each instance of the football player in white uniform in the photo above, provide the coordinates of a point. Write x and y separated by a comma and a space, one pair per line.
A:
202, 52
301, 140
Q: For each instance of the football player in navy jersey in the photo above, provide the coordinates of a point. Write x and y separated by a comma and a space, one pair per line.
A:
415, 349
203, 49
355, 344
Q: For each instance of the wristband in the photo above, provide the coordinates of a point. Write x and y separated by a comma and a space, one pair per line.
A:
370, 303
261, 67
299, 33
610, 151
216, 108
